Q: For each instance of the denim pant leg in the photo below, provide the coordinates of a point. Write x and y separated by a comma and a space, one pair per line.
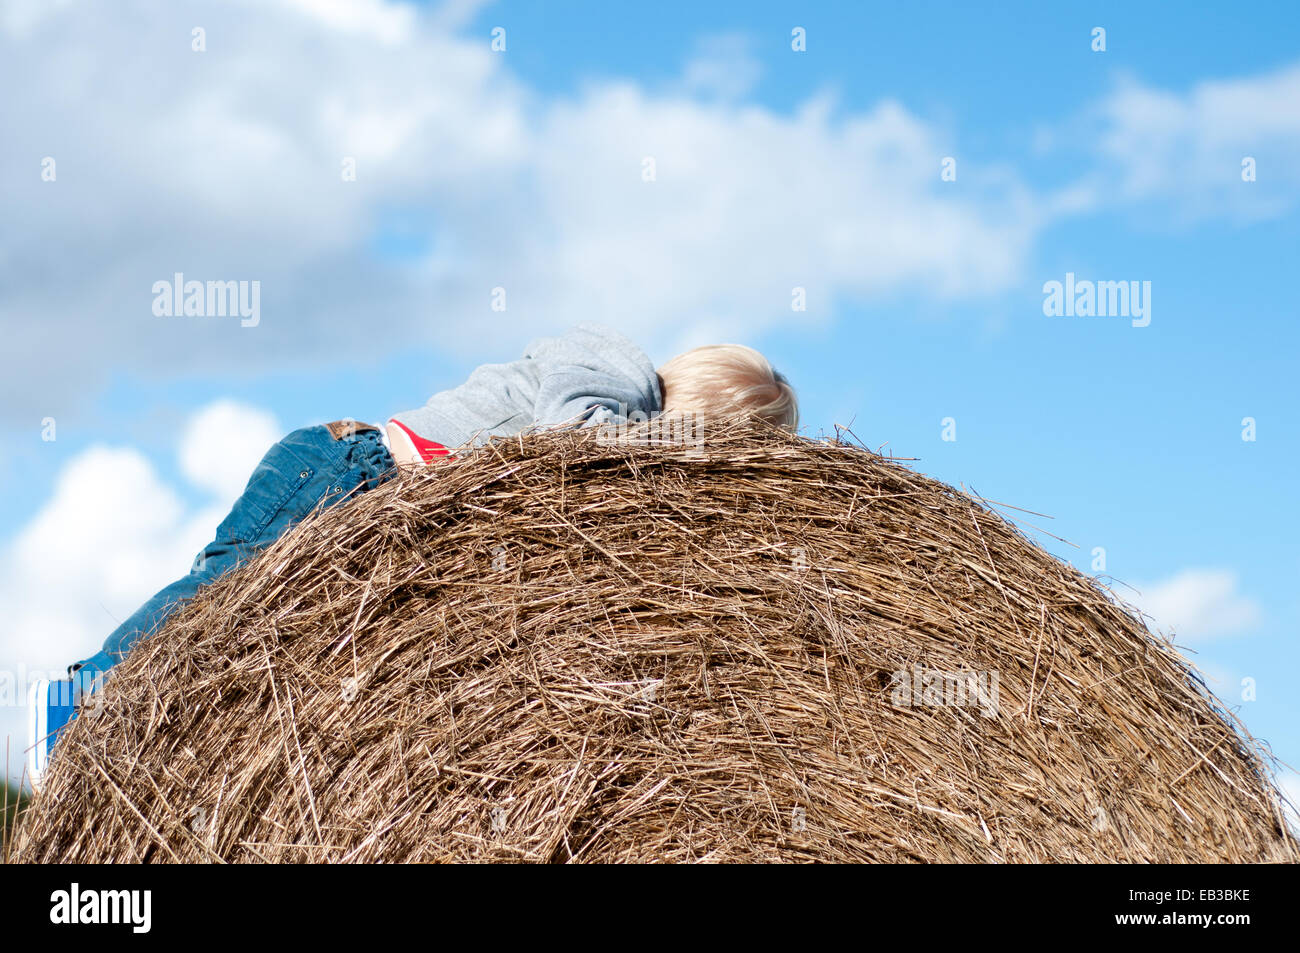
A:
308, 468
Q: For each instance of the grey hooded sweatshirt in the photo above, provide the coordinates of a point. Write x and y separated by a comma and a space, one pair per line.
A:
586, 377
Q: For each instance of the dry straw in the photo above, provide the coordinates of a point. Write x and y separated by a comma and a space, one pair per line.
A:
565, 649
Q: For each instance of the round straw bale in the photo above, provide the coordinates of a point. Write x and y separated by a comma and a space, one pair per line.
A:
746, 647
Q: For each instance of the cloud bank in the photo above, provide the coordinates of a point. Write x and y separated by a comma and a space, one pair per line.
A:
229, 164
1197, 605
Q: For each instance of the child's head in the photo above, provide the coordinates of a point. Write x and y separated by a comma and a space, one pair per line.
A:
727, 380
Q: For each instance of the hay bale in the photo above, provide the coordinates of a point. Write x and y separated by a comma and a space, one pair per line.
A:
560, 649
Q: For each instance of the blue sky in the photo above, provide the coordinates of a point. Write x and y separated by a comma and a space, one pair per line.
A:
775, 168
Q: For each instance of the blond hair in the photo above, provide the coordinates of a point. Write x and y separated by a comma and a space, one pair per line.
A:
727, 380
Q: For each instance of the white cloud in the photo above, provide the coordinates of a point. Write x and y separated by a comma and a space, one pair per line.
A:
219, 442
1198, 604
1184, 150
112, 533
226, 165
389, 22
723, 66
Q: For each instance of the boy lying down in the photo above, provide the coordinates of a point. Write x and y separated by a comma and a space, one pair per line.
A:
590, 376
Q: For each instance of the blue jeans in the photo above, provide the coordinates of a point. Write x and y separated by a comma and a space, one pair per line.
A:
315, 466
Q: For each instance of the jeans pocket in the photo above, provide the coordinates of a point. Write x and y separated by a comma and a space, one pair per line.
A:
285, 470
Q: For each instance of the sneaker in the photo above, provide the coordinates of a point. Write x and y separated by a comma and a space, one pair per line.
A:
408, 447
50, 706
